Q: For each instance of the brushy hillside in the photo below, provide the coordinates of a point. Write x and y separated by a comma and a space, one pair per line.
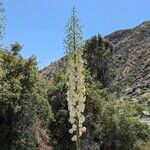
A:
120, 67
131, 60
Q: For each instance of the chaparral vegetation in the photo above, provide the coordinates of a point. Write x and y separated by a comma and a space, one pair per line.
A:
96, 99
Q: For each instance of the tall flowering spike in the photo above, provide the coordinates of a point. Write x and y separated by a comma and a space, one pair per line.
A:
73, 39
75, 73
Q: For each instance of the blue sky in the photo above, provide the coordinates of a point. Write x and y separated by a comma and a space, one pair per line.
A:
39, 24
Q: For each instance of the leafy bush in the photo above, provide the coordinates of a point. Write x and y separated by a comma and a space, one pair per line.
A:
110, 124
22, 100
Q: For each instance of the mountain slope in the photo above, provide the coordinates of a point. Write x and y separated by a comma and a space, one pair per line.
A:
54, 68
131, 59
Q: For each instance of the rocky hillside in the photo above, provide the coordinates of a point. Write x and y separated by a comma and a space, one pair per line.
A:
131, 60
54, 68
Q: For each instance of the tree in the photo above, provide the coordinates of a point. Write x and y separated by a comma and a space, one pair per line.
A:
76, 77
99, 55
15, 48
22, 101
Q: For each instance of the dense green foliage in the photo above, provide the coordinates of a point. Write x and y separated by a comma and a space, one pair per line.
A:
60, 126
99, 56
110, 124
22, 100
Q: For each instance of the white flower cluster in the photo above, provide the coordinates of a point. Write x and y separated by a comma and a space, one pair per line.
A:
76, 93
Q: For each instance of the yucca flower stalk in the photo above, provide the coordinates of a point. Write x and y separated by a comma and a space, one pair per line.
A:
76, 94
75, 73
